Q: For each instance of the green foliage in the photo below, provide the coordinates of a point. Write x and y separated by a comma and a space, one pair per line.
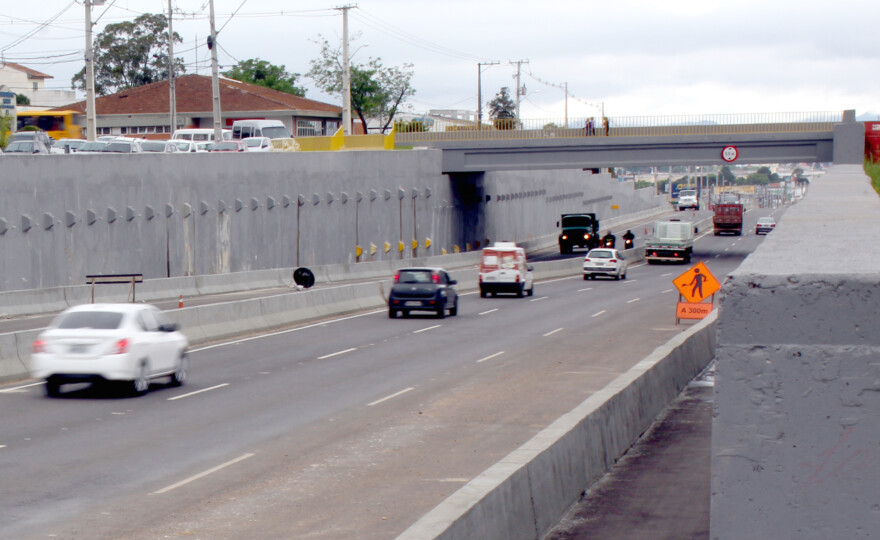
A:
727, 176
416, 126
377, 91
129, 54
502, 107
754, 179
551, 125
5, 129
262, 73
30, 128
642, 184
21, 99
873, 170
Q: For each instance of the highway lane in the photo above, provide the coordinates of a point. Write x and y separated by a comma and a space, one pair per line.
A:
349, 427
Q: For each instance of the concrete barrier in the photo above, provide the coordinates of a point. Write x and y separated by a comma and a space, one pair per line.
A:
526, 493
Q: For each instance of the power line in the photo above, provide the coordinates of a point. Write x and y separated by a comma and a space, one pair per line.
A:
40, 27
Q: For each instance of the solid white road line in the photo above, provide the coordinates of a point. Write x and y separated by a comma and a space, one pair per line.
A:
587, 289
337, 353
552, 332
202, 474
633, 300
19, 389
601, 312
667, 290
630, 281
491, 356
537, 299
392, 396
667, 274
487, 312
198, 392
428, 328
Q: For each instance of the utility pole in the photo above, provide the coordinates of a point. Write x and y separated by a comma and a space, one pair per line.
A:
91, 115
566, 103
346, 73
215, 77
172, 98
480, 91
519, 64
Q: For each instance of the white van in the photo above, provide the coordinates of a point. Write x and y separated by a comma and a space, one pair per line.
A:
503, 268
200, 134
687, 198
274, 129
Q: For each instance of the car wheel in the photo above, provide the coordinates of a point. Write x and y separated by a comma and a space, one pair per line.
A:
483, 294
441, 313
623, 276
532, 290
453, 311
141, 383
616, 277
181, 371
53, 387
519, 292
392, 313
586, 277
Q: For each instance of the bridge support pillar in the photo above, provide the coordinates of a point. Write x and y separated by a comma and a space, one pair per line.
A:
849, 140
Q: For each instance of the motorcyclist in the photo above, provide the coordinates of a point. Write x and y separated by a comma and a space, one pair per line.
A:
628, 239
609, 240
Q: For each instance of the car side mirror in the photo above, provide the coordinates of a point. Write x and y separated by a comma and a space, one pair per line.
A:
169, 327
696, 230
452, 282
530, 268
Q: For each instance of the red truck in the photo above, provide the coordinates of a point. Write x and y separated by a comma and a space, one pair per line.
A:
728, 218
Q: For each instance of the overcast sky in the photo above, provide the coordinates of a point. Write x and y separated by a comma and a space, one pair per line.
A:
635, 57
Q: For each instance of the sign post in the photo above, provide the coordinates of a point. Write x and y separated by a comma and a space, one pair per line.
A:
695, 286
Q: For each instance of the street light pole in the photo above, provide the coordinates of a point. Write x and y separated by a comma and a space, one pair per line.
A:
346, 74
91, 116
480, 92
215, 77
172, 98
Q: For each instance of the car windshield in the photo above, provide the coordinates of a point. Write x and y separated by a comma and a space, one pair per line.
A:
415, 276
183, 146
153, 146
253, 142
766, 220
20, 146
99, 320
119, 147
225, 146
276, 132
600, 254
92, 146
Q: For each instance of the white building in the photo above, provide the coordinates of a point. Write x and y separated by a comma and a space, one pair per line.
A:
32, 83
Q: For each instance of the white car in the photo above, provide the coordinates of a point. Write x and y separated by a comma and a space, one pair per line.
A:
604, 262
123, 145
159, 147
687, 198
129, 343
258, 144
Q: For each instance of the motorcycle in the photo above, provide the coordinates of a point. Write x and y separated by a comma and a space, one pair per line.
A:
627, 243
608, 242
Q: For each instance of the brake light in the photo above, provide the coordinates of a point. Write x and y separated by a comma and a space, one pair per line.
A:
39, 346
397, 277
435, 279
613, 260
517, 278
121, 346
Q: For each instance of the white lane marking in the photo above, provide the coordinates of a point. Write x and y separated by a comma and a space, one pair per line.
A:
597, 314
638, 265
631, 281
587, 289
491, 356
538, 299
552, 332
667, 290
337, 353
428, 328
579, 276
289, 330
633, 300
487, 312
19, 389
2, 446
198, 392
202, 474
392, 396
667, 274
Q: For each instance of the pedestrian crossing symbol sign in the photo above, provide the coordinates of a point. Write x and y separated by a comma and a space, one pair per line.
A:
697, 284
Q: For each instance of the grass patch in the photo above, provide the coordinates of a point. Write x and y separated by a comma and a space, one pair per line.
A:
873, 170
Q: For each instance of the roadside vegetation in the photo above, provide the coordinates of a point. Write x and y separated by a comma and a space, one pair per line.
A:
873, 170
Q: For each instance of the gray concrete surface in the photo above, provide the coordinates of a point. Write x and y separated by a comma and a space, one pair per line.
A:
794, 438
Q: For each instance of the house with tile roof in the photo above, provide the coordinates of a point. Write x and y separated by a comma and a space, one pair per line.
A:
31, 83
143, 111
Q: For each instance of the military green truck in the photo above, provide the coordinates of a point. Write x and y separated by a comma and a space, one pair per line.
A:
578, 230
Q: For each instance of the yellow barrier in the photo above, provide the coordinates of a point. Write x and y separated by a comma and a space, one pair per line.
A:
337, 141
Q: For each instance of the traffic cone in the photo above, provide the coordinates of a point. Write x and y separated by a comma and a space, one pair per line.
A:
180, 302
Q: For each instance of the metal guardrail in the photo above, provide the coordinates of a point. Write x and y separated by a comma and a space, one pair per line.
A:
632, 126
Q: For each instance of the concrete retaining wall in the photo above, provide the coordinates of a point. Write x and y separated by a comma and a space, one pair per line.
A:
525, 494
797, 383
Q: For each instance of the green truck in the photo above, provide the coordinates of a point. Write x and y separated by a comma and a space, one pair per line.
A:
673, 241
578, 230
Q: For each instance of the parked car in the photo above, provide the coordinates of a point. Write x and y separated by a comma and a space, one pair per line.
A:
159, 147
204, 146
422, 289
184, 146
765, 225
228, 146
67, 146
258, 144
200, 134
34, 146
92, 147
41, 136
604, 262
123, 145
127, 343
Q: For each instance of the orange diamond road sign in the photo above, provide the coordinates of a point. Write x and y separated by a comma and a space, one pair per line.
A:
697, 284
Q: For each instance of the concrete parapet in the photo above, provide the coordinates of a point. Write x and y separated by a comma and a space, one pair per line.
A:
524, 495
797, 383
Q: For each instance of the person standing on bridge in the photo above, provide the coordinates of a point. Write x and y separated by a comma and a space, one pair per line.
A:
605, 125
591, 130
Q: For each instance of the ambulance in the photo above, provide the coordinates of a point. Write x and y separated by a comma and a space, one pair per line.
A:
503, 269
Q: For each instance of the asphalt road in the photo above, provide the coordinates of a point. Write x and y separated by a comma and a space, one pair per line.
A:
348, 428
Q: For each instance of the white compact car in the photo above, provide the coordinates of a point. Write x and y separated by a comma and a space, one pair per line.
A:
130, 343
604, 262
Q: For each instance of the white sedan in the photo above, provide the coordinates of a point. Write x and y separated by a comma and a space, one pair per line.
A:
604, 262
258, 144
129, 343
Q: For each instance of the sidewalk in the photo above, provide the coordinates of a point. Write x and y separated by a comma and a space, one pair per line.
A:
660, 488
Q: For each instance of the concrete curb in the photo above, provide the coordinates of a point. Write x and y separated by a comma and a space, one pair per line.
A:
524, 495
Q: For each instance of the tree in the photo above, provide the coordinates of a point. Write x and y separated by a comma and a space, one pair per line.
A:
262, 73
727, 175
129, 54
377, 91
21, 99
502, 110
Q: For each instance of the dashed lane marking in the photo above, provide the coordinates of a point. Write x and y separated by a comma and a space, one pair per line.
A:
392, 396
198, 392
337, 353
202, 474
550, 333
491, 356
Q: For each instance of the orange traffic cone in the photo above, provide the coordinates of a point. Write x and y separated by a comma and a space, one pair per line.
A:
180, 302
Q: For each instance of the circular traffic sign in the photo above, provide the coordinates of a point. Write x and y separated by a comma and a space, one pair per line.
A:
729, 153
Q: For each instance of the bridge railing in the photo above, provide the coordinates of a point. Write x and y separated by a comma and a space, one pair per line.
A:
630, 126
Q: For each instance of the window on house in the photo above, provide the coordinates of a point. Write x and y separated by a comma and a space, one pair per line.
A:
308, 128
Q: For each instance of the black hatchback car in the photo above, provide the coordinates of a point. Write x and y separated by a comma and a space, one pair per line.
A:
422, 289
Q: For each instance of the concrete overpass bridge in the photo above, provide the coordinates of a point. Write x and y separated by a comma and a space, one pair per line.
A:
645, 141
